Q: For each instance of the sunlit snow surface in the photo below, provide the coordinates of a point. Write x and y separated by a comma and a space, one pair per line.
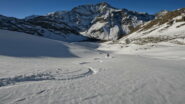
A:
35, 70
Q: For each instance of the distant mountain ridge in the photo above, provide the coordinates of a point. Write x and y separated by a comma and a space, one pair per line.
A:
168, 26
99, 21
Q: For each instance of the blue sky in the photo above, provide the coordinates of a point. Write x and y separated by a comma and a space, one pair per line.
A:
22, 8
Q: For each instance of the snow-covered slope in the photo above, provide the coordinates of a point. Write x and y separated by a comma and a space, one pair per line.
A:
17, 44
36, 70
169, 27
23, 45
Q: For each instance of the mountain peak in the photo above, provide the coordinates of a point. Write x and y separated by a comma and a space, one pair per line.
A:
104, 4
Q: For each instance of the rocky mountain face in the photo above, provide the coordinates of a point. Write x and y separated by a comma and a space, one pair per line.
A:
161, 14
168, 26
45, 28
100, 21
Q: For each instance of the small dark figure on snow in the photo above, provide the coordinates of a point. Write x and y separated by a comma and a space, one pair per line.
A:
108, 55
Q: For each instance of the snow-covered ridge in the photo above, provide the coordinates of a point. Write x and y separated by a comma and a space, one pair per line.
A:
31, 17
101, 21
80, 22
45, 28
168, 27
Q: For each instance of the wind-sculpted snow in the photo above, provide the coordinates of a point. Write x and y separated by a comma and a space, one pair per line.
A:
59, 74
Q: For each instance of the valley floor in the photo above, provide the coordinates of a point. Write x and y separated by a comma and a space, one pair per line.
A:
130, 75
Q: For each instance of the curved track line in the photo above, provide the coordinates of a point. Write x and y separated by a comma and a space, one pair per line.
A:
45, 76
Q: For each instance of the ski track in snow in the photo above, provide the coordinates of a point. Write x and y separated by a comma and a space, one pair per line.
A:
47, 76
